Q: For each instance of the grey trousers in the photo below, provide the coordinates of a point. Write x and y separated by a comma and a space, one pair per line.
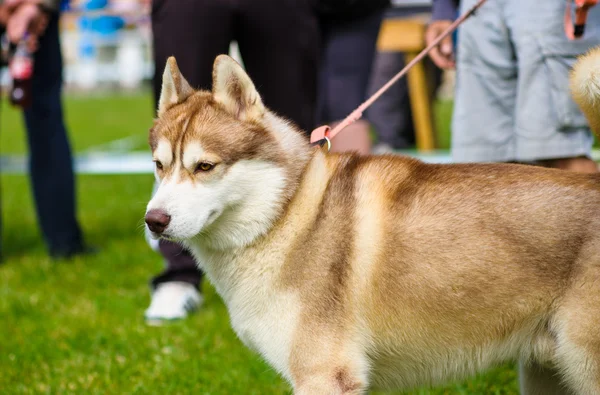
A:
512, 98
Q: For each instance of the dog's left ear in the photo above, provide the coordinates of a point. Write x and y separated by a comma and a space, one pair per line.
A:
175, 89
234, 90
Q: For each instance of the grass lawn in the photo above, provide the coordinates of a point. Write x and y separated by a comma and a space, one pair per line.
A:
76, 327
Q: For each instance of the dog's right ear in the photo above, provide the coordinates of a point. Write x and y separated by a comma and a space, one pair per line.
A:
175, 89
234, 90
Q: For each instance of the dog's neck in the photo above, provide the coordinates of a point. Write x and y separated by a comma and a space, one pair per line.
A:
244, 224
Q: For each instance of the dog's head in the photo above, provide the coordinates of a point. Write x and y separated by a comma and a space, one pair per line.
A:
225, 165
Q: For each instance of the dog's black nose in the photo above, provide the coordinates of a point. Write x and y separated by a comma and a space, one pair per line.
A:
157, 220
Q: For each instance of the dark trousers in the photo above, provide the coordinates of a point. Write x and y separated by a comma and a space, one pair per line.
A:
50, 159
279, 44
278, 41
391, 115
348, 52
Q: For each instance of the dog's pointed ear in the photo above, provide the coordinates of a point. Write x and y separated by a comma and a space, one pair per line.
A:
235, 91
175, 89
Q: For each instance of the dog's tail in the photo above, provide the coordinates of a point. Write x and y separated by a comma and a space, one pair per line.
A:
585, 87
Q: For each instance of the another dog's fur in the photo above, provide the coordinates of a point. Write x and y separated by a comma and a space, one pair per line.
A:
348, 273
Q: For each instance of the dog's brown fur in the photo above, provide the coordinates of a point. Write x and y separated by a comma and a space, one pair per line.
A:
386, 271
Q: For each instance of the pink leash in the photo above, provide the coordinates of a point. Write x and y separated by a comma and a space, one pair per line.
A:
324, 134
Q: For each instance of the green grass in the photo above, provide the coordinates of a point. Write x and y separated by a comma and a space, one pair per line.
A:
443, 112
91, 121
76, 327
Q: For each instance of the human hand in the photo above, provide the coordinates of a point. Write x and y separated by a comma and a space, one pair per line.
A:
145, 5
4, 14
442, 54
12, 5
26, 18
7, 8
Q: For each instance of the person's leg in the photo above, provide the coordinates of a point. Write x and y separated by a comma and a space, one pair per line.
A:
50, 160
195, 32
550, 128
486, 80
348, 54
391, 114
279, 44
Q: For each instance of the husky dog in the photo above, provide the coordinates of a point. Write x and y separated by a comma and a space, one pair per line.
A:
349, 273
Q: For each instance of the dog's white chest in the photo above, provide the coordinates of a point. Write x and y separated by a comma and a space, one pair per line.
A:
263, 316
266, 324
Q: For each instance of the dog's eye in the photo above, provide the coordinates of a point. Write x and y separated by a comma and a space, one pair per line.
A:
204, 166
158, 164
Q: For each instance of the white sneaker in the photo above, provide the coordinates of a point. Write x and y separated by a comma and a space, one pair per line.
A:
172, 301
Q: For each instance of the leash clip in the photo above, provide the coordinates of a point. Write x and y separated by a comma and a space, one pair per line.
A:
320, 136
322, 142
